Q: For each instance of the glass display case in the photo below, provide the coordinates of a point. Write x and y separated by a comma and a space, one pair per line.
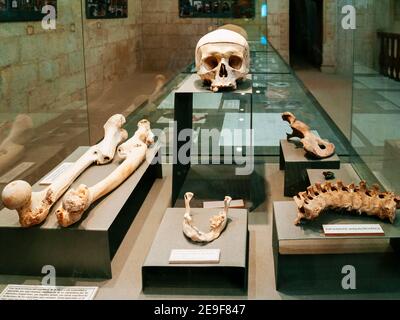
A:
60, 88
376, 94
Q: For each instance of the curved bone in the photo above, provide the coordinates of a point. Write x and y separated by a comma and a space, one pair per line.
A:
223, 58
217, 223
319, 198
34, 207
133, 152
312, 144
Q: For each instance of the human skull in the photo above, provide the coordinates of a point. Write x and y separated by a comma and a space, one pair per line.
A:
222, 58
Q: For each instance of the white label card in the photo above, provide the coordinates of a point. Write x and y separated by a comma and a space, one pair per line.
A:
220, 204
231, 104
15, 172
25, 292
58, 171
353, 230
195, 256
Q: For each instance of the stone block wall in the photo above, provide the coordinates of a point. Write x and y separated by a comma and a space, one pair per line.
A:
169, 41
112, 49
278, 26
43, 70
372, 16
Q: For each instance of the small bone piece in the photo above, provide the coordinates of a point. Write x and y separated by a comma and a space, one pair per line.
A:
34, 207
312, 144
133, 153
217, 223
223, 58
319, 198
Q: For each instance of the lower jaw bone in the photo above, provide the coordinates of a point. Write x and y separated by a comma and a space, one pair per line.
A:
217, 223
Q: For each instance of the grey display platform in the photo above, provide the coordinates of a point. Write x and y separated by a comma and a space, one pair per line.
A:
346, 174
295, 162
228, 277
86, 248
305, 258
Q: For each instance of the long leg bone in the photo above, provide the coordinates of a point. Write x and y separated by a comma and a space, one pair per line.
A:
34, 207
133, 151
217, 223
312, 144
337, 196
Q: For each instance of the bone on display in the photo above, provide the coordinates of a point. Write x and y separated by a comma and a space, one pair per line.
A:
217, 222
312, 144
34, 207
222, 59
132, 152
12, 147
336, 196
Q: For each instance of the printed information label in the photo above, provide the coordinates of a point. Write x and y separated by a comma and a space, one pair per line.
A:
25, 292
220, 204
353, 230
195, 256
49, 178
231, 104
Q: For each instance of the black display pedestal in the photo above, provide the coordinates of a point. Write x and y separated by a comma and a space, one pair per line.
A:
308, 262
294, 161
84, 250
183, 116
184, 120
346, 174
228, 277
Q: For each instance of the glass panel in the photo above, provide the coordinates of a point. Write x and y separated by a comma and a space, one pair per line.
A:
376, 105
43, 114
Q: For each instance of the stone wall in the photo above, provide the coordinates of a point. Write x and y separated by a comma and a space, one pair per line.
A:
344, 44
44, 71
278, 26
371, 16
396, 26
112, 49
329, 36
41, 70
169, 41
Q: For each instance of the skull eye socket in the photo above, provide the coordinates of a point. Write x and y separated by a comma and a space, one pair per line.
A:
235, 62
211, 62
